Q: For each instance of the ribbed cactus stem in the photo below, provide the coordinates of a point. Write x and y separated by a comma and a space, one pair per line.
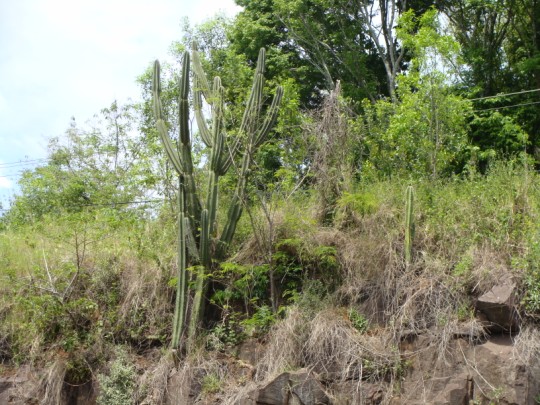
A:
180, 157
198, 305
181, 285
197, 227
409, 225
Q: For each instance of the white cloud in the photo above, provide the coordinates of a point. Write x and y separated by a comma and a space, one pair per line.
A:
5, 183
63, 58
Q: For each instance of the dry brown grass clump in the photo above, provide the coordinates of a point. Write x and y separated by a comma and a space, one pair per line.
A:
53, 382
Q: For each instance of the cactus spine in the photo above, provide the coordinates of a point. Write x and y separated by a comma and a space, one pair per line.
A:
204, 246
409, 225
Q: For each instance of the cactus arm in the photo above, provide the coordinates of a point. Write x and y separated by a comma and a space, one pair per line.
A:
198, 299
172, 154
205, 239
270, 119
217, 125
229, 156
163, 132
193, 205
203, 85
198, 306
235, 209
206, 135
190, 240
183, 102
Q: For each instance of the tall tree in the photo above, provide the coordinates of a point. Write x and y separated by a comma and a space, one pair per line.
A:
104, 164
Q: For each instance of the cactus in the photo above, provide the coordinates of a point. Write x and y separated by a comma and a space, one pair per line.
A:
204, 246
409, 225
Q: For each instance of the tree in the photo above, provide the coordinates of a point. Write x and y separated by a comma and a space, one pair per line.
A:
424, 133
499, 42
258, 25
105, 165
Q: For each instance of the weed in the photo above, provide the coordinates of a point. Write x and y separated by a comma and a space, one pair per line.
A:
211, 384
117, 387
358, 320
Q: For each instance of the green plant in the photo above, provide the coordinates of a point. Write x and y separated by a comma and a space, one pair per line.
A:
358, 320
260, 322
531, 299
465, 312
117, 387
464, 266
228, 333
197, 224
211, 384
363, 203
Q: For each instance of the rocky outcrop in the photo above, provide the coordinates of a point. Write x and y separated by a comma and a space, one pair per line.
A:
292, 388
485, 373
498, 306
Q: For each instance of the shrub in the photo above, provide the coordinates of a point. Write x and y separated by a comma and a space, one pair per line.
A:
118, 386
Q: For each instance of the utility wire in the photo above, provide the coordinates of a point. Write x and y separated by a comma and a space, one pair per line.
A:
22, 163
113, 204
507, 106
504, 94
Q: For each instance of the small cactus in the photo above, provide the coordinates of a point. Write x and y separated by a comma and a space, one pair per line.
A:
409, 225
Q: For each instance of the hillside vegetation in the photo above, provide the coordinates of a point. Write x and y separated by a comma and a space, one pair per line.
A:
383, 202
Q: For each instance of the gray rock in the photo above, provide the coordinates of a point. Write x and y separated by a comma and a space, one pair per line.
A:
294, 388
498, 305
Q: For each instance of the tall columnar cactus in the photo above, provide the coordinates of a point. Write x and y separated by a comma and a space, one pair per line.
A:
197, 224
409, 225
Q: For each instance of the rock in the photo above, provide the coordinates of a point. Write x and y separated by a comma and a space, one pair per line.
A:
276, 392
251, 351
498, 305
456, 391
499, 376
294, 388
307, 388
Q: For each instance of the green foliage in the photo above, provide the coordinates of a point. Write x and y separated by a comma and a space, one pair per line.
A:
424, 133
465, 312
211, 384
497, 136
247, 284
463, 267
362, 203
532, 295
88, 168
118, 385
227, 333
358, 320
260, 322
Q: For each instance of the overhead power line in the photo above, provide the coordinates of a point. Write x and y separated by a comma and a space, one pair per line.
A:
505, 94
22, 163
112, 204
508, 106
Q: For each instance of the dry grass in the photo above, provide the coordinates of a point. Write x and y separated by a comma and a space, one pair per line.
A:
144, 292
152, 385
53, 383
527, 345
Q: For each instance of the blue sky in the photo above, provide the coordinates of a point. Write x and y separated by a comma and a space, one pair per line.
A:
71, 58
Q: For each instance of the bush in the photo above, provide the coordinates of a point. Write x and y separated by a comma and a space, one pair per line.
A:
118, 386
